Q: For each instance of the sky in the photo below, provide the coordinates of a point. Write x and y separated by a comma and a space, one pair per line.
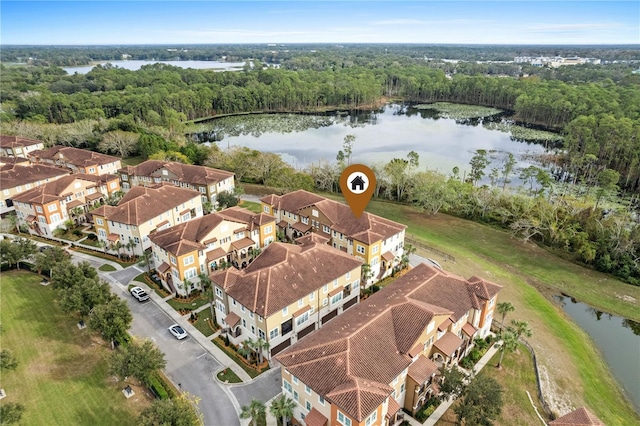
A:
300, 21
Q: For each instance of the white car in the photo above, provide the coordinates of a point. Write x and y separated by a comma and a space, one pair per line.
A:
139, 294
178, 331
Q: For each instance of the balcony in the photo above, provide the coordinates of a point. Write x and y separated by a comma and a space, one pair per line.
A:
236, 332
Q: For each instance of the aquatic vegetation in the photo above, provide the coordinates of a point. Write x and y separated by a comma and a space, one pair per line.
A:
523, 133
460, 111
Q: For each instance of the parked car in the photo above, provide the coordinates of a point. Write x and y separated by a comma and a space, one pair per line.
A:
139, 294
178, 331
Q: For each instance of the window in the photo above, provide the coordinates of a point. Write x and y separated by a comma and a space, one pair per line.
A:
325, 288
250, 314
312, 296
136, 240
359, 249
335, 283
343, 420
186, 217
287, 386
173, 260
191, 273
374, 249
294, 379
348, 275
372, 418
188, 260
261, 334
336, 298
260, 318
268, 229
55, 217
273, 333
92, 170
265, 209
304, 220
203, 189
285, 311
320, 399
325, 302
307, 389
244, 323
52, 207
253, 330
296, 396
402, 388
218, 292
102, 233
300, 303
325, 229
307, 405
302, 318
99, 221
113, 185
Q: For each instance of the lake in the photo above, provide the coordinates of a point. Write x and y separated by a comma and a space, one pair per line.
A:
615, 338
392, 131
135, 65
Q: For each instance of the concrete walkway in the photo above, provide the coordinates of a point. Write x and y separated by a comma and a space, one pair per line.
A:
444, 406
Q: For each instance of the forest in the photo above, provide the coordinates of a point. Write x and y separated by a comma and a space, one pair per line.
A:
150, 112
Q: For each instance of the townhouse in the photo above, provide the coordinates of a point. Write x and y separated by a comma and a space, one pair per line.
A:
20, 176
232, 236
383, 355
286, 293
45, 208
77, 160
142, 211
377, 241
16, 146
209, 182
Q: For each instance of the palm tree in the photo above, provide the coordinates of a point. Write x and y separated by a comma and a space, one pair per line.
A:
146, 261
76, 212
207, 287
251, 344
245, 350
117, 246
103, 245
503, 309
366, 273
521, 328
207, 206
261, 345
282, 408
254, 411
509, 343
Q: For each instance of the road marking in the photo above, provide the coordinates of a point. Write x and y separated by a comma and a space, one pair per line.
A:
200, 356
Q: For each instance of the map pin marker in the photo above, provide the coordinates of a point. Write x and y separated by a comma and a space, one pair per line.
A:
357, 183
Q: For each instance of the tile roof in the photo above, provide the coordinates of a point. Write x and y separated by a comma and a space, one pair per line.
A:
75, 156
469, 329
389, 323
215, 254
368, 229
17, 141
60, 188
243, 243
142, 204
445, 324
240, 214
388, 256
422, 369
184, 172
392, 408
315, 418
232, 319
164, 267
21, 175
282, 274
448, 343
579, 417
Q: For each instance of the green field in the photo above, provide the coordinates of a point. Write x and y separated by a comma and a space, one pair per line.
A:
577, 372
62, 376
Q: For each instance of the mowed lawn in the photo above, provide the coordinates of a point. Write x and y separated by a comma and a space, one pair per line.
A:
62, 376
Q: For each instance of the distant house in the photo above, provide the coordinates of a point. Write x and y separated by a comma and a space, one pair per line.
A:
143, 211
357, 184
208, 181
579, 417
382, 355
288, 292
45, 208
16, 146
18, 177
77, 160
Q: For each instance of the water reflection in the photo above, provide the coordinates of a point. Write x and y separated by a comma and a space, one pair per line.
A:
617, 338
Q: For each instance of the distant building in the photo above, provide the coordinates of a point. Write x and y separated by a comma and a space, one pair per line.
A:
77, 160
16, 146
579, 417
17, 178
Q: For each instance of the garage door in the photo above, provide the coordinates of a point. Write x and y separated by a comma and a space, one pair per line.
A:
329, 316
306, 331
282, 346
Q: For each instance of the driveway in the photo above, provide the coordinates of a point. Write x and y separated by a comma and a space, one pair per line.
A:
126, 275
264, 387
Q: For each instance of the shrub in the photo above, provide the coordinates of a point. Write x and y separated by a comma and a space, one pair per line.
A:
158, 388
226, 340
92, 237
77, 232
374, 288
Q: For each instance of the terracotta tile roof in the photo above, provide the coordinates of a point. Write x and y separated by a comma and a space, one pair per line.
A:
14, 160
301, 311
282, 274
164, 267
445, 324
94, 196
448, 343
17, 141
215, 254
299, 226
60, 188
469, 329
242, 215
368, 228
313, 237
21, 175
392, 407
73, 204
76, 156
388, 256
283, 224
579, 417
142, 204
30, 218
187, 173
335, 291
232, 319
315, 418
243, 243
113, 237
422, 369
359, 397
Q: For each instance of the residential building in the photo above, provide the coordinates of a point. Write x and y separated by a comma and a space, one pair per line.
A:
16, 146
233, 236
7, 163
18, 177
209, 182
383, 355
287, 292
377, 241
579, 417
45, 208
142, 211
77, 160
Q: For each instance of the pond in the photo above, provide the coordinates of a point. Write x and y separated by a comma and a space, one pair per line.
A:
618, 339
389, 132
135, 65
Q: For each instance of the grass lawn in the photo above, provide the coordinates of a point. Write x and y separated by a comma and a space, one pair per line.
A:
250, 205
573, 371
132, 161
106, 268
155, 287
191, 304
103, 255
202, 323
252, 372
62, 373
227, 375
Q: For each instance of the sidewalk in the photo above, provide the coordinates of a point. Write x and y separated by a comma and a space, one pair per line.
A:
444, 406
